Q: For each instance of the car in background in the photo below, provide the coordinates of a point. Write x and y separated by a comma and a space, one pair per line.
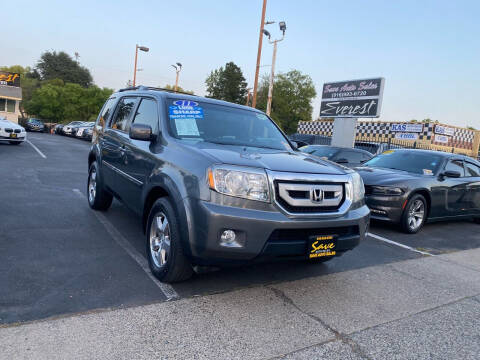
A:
341, 155
67, 129
375, 147
78, 131
410, 187
88, 134
58, 129
11, 132
33, 124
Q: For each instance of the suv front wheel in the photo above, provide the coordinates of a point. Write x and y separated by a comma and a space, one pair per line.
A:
164, 251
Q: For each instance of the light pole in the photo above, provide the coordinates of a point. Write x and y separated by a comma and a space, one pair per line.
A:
259, 54
177, 68
142, 48
248, 96
283, 27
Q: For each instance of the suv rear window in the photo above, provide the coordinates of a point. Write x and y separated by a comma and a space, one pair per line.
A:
197, 121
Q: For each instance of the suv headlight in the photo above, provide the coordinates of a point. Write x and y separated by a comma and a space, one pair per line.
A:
242, 182
357, 188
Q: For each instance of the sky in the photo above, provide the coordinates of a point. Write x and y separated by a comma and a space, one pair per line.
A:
427, 51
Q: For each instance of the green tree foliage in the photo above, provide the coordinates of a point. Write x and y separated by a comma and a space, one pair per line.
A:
59, 102
293, 93
53, 65
179, 89
227, 84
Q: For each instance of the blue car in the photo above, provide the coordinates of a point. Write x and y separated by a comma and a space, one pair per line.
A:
34, 125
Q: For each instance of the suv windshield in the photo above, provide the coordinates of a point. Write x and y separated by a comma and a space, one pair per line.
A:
197, 121
411, 161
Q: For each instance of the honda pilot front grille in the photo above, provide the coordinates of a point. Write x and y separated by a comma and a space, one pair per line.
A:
309, 197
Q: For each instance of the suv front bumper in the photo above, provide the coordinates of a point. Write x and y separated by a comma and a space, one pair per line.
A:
267, 234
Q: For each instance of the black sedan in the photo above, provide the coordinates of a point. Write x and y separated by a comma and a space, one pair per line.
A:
409, 187
345, 156
34, 125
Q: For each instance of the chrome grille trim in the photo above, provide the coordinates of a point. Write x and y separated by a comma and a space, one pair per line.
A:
345, 181
337, 190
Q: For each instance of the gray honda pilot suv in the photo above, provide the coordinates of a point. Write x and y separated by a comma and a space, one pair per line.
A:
219, 184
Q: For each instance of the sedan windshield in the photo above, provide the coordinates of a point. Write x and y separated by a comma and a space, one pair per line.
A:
411, 161
203, 122
320, 151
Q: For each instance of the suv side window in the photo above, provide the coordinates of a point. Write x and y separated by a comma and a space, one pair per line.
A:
123, 114
105, 114
456, 165
147, 114
472, 169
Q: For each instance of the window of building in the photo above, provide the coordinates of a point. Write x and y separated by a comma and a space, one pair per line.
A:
11, 106
3, 102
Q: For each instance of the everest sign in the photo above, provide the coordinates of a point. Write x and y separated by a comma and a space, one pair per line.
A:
354, 98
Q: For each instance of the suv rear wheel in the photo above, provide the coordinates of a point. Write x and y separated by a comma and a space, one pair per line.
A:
98, 197
414, 215
164, 251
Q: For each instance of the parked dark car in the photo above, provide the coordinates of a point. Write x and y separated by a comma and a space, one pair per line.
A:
346, 156
88, 133
219, 184
375, 147
409, 187
58, 129
67, 129
33, 124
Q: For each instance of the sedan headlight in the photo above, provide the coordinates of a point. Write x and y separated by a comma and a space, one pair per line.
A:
242, 182
387, 191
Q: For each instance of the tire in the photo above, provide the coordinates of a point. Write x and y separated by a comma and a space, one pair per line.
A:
414, 215
476, 220
98, 198
164, 250
15, 142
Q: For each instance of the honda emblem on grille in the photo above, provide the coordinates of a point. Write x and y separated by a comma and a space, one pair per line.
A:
316, 195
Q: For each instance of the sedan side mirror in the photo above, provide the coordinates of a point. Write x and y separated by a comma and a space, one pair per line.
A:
141, 132
294, 144
451, 174
341, 161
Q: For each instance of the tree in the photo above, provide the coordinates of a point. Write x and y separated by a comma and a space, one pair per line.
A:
53, 65
60, 102
227, 84
179, 89
293, 93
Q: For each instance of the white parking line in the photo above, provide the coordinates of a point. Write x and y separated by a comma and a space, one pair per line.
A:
37, 149
166, 289
381, 238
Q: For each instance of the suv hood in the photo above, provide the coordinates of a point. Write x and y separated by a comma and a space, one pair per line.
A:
271, 159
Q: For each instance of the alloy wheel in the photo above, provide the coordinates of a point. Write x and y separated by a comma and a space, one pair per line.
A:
92, 186
160, 239
416, 214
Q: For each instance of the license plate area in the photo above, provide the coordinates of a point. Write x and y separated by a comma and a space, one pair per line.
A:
13, 135
321, 246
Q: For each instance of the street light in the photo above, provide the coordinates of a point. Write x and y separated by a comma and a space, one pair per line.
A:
177, 68
142, 48
283, 27
259, 53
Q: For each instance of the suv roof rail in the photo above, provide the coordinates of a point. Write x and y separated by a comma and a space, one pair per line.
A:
142, 87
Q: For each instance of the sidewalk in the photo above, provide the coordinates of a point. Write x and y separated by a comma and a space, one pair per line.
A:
416, 309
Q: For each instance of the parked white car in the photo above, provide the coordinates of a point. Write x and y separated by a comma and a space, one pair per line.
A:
11, 132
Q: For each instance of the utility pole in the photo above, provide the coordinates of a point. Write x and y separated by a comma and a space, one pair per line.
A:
142, 48
259, 54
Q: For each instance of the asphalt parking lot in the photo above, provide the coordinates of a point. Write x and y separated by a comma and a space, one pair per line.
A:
58, 257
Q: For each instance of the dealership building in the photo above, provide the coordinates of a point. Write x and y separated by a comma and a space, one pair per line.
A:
10, 96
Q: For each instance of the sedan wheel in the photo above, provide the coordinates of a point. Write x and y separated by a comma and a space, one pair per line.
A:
415, 214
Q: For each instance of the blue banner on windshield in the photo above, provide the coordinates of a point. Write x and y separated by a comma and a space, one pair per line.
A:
185, 109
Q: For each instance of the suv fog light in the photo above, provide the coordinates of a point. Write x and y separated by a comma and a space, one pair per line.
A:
229, 239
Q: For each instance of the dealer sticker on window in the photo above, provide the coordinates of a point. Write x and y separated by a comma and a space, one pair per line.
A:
185, 113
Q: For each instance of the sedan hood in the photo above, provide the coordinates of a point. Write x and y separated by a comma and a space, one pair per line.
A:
10, 125
379, 176
271, 159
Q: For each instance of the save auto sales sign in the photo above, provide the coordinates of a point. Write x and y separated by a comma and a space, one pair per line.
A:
9, 79
353, 98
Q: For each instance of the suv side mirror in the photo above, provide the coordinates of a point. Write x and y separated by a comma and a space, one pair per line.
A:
451, 174
341, 161
141, 132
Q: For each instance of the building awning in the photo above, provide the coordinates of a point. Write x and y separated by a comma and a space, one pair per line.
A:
10, 92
